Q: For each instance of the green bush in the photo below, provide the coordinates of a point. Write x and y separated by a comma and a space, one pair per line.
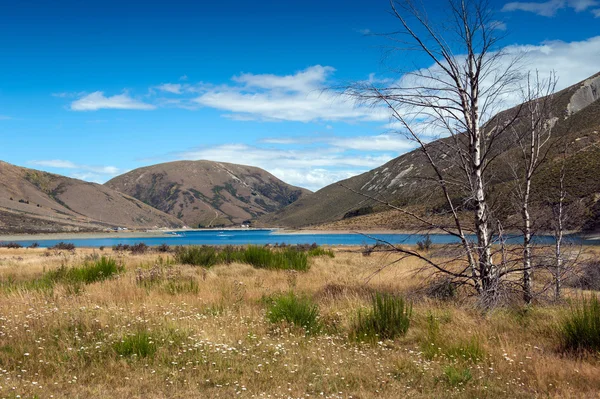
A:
140, 344
580, 329
298, 310
388, 318
89, 272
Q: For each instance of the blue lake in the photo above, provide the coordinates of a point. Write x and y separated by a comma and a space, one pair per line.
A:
261, 237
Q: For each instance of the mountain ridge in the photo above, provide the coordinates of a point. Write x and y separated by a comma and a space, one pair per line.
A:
208, 193
576, 111
34, 201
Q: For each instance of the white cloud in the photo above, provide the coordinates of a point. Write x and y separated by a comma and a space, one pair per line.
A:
498, 25
97, 100
596, 12
88, 169
5, 117
174, 88
383, 142
549, 8
312, 168
300, 97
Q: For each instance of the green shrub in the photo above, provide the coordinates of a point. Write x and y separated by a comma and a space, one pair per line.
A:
580, 328
140, 344
388, 318
89, 272
298, 310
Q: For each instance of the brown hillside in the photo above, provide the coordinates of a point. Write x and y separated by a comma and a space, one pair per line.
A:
207, 193
34, 201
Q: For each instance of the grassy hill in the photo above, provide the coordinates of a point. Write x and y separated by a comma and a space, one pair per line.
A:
33, 201
206, 193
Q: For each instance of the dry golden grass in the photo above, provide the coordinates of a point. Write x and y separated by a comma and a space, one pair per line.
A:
210, 338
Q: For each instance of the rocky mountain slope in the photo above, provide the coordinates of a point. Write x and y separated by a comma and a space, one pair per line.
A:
401, 181
32, 201
207, 193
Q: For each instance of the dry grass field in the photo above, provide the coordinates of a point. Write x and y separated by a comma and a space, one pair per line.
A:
157, 329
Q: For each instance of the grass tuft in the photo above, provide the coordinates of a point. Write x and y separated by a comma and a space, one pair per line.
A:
140, 344
298, 310
580, 329
388, 318
89, 272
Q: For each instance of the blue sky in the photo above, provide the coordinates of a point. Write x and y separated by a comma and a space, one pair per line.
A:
96, 88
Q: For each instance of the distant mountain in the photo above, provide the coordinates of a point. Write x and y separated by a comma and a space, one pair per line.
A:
401, 181
32, 201
207, 193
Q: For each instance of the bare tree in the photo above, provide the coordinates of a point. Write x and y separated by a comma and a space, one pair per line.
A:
533, 138
454, 100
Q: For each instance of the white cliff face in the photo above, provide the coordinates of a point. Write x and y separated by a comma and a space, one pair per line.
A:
585, 95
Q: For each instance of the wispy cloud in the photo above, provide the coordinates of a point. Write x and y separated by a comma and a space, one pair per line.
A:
301, 97
596, 12
97, 100
5, 117
79, 171
309, 161
174, 88
551, 7
498, 25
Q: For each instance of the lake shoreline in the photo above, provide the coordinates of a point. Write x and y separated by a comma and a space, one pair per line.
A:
169, 233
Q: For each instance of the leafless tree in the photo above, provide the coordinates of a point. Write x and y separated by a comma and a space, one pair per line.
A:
454, 100
533, 136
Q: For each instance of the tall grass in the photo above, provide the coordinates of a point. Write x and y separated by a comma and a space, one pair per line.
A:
287, 258
140, 344
298, 310
388, 318
90, 272
580, 329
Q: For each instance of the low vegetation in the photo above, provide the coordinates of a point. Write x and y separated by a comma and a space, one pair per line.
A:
580, 328
261, 257
300, 311
388, 318
86, 323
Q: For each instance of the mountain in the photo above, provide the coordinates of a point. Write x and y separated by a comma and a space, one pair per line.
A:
32, 201
404, 180
206, 193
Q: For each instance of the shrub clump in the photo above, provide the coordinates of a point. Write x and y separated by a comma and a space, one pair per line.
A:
587, 278
388, 318
11, 245
300, 311
283, 258
580, 330
64, 246
89, 272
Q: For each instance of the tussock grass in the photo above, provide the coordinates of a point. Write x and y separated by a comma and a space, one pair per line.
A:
300, 311
89, 272
140, 344
388, 318
580, 328
287, 258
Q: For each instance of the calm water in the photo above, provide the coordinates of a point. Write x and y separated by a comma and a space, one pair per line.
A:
229, 237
